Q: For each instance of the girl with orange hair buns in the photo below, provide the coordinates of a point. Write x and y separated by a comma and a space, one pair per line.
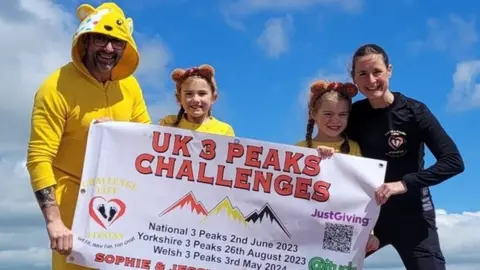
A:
328, 109
196, 91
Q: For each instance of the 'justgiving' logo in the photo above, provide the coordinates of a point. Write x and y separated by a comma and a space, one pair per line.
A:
317, 263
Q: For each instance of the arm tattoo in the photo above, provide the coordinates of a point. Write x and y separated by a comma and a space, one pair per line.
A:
45, 197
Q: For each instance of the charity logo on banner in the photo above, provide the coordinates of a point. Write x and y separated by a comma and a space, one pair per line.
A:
164, 198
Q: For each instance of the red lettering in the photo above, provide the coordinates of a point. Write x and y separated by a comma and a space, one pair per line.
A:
221, 181
145, 264
119, 260
241, 179
124, 261
272, 160
162, 166
130, 262
160, 266
263, 179
245, 178
234, 150
181, 143
251, 159
282, 185
99, 257
312, 165
161, 148
201, 174
321, 191
186, 170
139, 163
109, 259
184, 267
291, 160
209, 149
301, 188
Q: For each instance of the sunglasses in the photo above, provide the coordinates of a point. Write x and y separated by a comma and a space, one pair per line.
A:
103, 40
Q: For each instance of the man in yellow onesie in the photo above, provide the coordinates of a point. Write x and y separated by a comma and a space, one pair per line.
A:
97, 83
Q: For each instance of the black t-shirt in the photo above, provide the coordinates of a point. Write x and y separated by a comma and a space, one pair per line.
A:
398, 135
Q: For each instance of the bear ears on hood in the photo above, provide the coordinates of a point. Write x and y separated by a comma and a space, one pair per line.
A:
85, 10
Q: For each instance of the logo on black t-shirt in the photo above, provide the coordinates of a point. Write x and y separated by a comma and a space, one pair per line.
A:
397, 141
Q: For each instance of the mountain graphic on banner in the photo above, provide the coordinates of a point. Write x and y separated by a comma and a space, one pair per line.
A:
226, 206
265, 213
190, 200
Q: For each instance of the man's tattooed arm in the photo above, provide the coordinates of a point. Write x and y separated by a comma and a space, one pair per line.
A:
46, 197
47, 202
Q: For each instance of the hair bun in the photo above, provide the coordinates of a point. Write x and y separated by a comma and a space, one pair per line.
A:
318, 86
351, 89
177, 74
206, 70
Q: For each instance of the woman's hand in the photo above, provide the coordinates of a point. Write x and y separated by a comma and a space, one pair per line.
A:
383, 193
372, 244
325, 152
61, 238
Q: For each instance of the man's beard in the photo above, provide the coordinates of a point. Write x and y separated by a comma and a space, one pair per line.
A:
104, 61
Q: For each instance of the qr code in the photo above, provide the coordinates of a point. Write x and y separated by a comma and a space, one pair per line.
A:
338, 237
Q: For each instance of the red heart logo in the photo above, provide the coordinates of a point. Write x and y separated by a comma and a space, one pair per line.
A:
104, 212
395, 141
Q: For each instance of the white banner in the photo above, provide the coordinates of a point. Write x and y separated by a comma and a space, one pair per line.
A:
164, 198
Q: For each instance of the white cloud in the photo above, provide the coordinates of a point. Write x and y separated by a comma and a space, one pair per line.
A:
23, 239
465, 93
459, 238
235, 10
36, 39
455, 35
155, 59
153, 73
274, 39
458, 37
163, 106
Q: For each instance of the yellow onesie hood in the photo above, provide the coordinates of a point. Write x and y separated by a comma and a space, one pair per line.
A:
107, 19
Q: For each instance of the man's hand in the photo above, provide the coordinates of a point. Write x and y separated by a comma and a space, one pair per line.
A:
383, 193
61, 238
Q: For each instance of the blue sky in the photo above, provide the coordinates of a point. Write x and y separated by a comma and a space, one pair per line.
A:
260, 88
265, 53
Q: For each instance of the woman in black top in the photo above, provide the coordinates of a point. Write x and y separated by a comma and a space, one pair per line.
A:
393, 127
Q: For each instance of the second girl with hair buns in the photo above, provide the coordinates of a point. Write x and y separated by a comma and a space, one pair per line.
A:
196, 91
329, 107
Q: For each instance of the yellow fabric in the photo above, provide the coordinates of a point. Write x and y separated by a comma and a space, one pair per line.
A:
66, 194
354, 147
213, 126
69, 100
59, 263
